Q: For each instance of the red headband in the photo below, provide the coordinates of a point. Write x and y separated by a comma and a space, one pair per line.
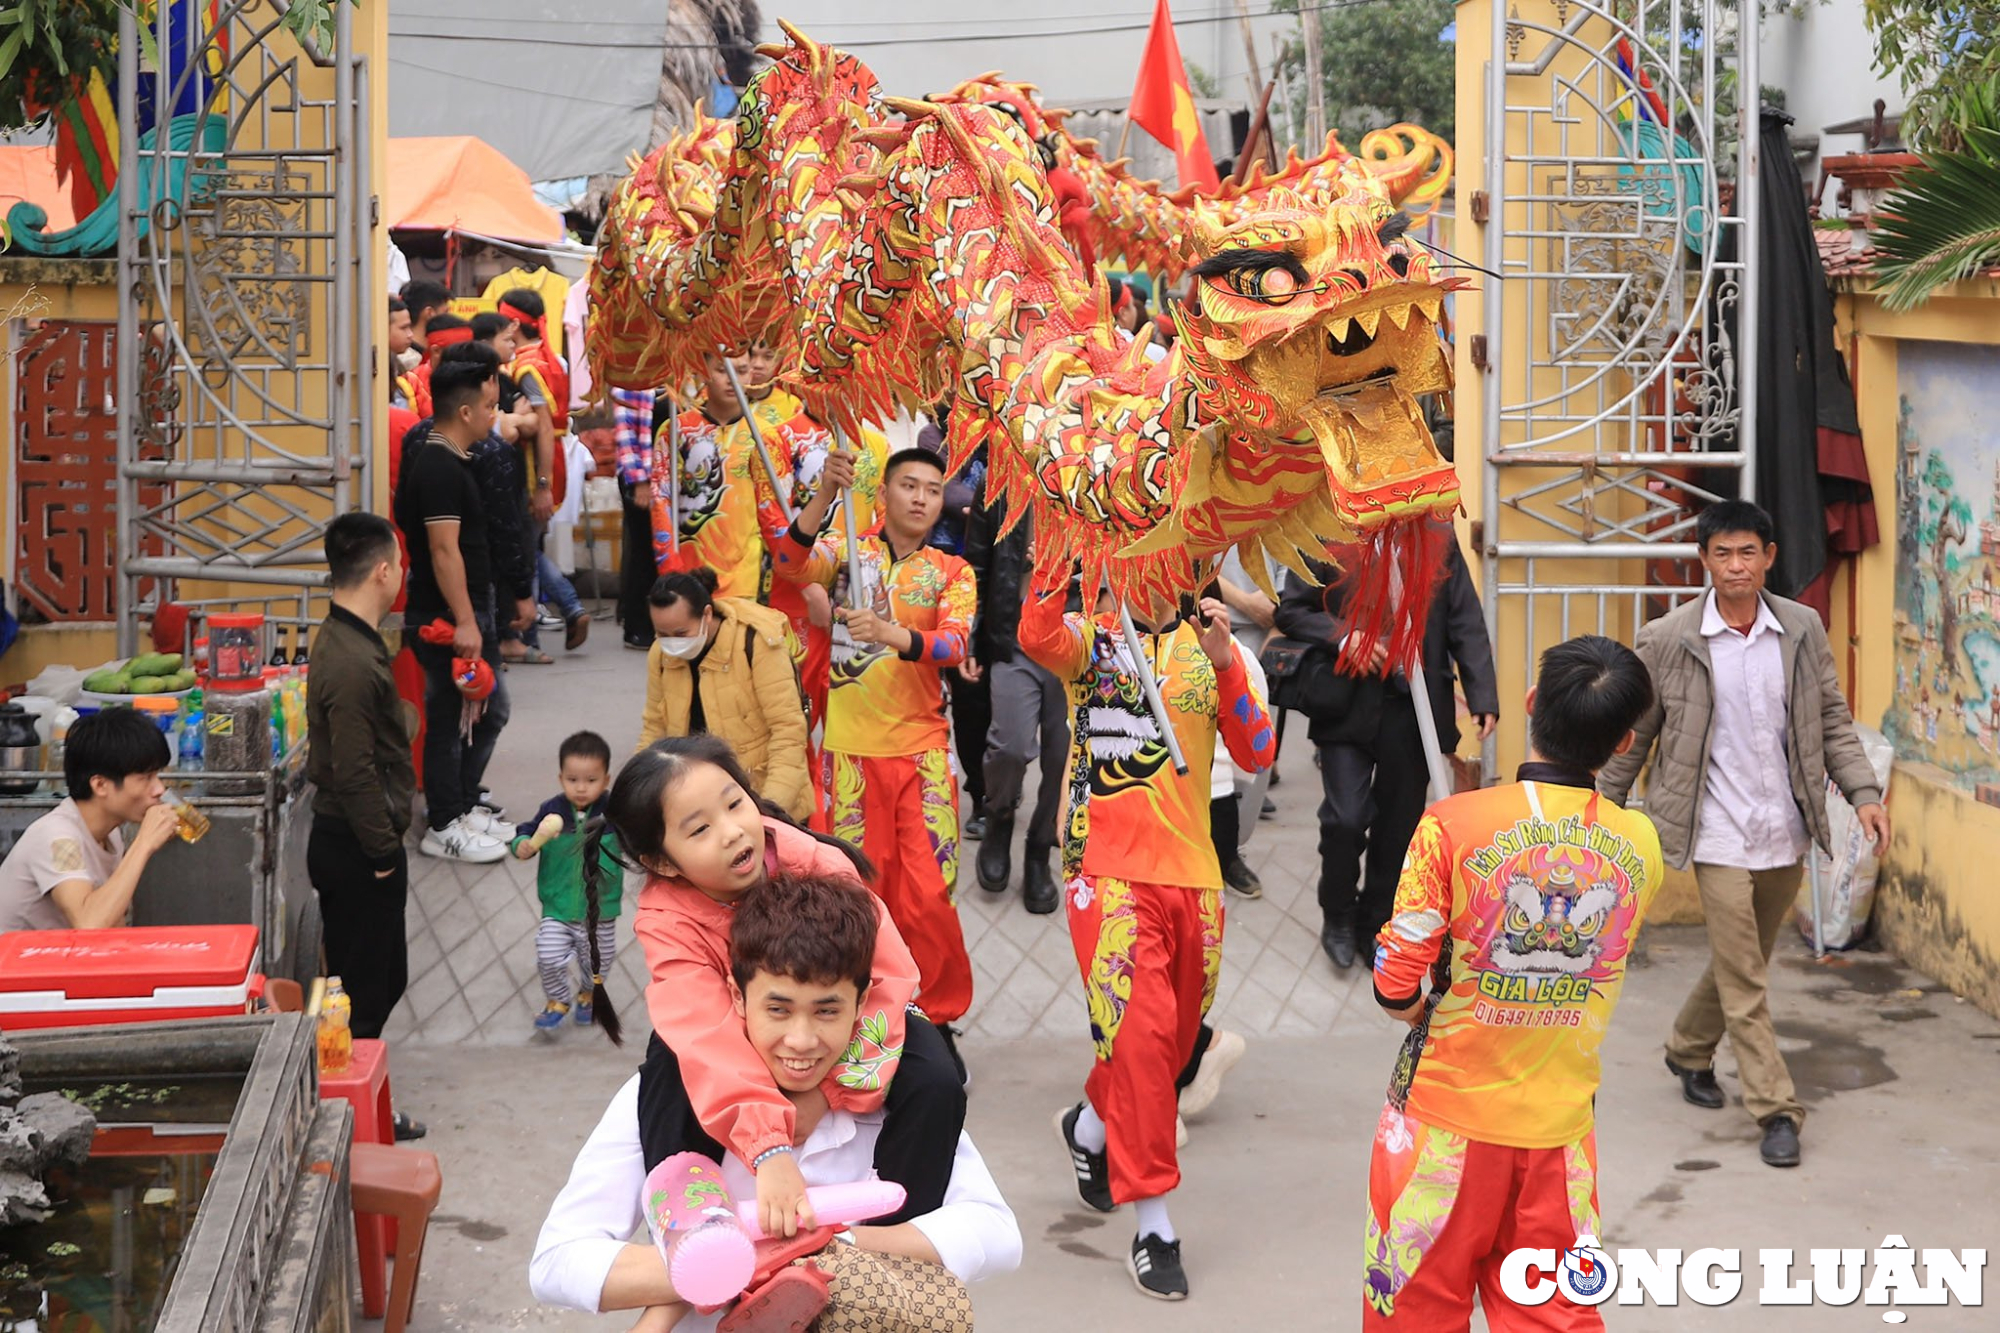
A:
532, 323
440, 338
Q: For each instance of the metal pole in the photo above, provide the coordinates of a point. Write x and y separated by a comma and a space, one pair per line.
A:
1493, 318
756, 437
340, 381
1420, 699
364, 279
853, 534
127, 374
1150, 688
1748, 208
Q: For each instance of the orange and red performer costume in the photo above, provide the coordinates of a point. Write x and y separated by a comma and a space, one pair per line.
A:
888, 741
720, 480
1522, 903
1143, 887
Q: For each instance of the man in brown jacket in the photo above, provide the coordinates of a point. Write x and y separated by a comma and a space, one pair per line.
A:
1750, 721
358, 757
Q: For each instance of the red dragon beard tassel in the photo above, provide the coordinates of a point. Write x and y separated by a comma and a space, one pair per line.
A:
1390, 577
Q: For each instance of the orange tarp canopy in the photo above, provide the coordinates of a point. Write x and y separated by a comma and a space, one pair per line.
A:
29, 173
460, 183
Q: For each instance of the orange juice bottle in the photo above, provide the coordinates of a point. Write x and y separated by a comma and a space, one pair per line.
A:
336, 1038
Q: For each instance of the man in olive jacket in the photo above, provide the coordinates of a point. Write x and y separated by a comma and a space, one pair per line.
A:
1750, 720
358, 757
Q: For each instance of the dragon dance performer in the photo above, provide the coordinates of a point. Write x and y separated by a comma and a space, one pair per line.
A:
721, 484
800, 450
887, 737
1522, 902
1144, 890
544, 379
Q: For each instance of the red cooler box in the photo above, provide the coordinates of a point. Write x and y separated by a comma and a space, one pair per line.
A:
136, 974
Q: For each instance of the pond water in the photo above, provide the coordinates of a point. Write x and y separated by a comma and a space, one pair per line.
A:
1983, 650
104, 1260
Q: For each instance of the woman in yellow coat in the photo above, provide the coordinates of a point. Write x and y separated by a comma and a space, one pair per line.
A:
723, 665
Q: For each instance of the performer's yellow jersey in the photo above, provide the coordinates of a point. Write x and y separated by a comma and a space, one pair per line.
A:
1523, 902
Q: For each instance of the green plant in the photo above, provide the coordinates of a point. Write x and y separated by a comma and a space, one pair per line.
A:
1381, 63
50, 47
1943, 222
1943, 51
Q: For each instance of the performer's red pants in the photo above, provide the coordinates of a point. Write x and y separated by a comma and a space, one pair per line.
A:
1444, 1213
1150, 955
902, 811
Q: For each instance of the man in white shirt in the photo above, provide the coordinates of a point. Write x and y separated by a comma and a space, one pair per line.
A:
1751, 722
801, 949
71, 869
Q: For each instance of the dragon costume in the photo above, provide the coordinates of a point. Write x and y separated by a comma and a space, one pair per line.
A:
898, 252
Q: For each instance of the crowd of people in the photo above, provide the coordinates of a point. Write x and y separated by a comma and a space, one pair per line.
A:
844, 641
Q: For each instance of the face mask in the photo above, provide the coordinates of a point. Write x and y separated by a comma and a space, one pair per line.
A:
687, 647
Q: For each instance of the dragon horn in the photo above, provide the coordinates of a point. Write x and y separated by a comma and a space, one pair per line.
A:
914, 108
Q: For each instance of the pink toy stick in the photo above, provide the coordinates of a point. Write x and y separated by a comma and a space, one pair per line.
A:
836, 1205
709, 1254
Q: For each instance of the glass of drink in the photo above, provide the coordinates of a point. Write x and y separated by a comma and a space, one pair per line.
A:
193, 823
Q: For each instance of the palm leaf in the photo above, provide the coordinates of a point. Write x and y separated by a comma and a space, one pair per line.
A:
1943, 223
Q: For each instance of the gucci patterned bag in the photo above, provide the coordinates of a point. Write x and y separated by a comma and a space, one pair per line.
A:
887, 1293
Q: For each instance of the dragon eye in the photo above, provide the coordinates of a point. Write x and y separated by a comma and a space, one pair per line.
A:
1399, 261
1274, 286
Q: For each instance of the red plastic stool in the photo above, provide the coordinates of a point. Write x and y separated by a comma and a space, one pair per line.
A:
404, 1184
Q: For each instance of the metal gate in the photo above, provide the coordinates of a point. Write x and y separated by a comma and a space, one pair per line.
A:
1614, 387
244, 274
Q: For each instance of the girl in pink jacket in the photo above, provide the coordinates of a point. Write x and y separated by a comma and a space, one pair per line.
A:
685, 814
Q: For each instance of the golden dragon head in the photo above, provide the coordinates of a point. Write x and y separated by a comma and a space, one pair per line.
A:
1315, 322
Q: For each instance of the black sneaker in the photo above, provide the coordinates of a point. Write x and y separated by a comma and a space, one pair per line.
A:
950, 1035
1155, 1266
1093, 1173
407, 1130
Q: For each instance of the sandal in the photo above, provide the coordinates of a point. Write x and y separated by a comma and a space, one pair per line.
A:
526, 657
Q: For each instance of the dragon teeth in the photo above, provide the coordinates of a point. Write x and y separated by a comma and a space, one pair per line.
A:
1369, 322
1431, 308
1339, 329
1399, 315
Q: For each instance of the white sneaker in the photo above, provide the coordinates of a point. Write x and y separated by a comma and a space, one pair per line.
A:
1225, 1048
490, 823
457, 841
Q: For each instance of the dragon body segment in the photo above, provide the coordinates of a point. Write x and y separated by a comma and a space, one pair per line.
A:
897, 252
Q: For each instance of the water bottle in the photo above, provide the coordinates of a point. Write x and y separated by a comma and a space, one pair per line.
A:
336, 1037
189, 750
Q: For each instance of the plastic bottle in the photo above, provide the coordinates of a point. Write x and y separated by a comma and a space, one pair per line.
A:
336, 1037
59, 727
274, 686
188, 749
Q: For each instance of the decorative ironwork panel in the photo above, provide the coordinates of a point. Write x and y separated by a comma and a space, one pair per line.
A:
246, 262
66, 472
1612, 388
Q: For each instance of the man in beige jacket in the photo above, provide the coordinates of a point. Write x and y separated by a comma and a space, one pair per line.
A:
1750, 721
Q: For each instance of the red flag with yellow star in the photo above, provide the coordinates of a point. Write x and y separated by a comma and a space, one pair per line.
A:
1163, 103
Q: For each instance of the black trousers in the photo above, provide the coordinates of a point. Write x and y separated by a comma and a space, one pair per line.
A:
455, 768
971, 716
926, 1114
362, 917
1225, 826
636, 571
1373, 797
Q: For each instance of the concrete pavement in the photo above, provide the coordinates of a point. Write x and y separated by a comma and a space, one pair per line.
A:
1901, 1079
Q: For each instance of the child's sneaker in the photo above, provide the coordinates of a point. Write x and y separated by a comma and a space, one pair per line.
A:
583, 1013
1093, 1172
551, 1017
1155, 1266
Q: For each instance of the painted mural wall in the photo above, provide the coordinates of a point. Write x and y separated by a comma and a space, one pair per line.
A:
1946, 711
